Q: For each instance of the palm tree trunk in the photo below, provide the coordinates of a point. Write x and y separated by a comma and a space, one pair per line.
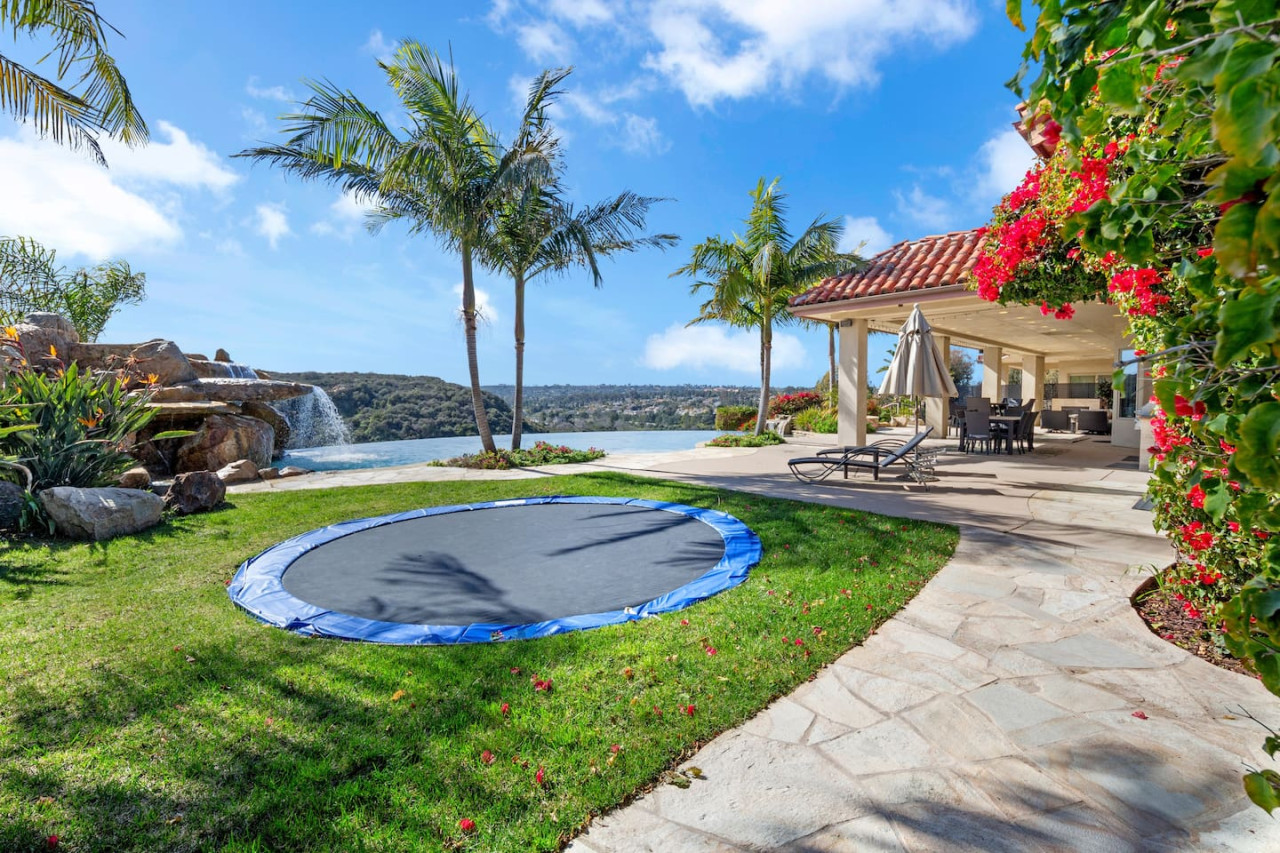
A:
517, 406
766, 347
473, 363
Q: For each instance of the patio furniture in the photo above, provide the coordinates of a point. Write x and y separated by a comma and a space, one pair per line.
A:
1003, 429
1055, 421
1025, 435
918, 465
977, 429
1093, 421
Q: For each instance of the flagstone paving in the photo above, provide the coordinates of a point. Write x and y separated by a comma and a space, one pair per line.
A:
1016, 704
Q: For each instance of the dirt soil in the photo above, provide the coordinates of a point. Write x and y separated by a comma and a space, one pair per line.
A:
1166, 618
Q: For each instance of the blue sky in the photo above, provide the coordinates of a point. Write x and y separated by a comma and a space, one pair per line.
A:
889, 113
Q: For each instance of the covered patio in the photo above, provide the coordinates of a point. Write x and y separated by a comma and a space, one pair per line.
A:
932, 272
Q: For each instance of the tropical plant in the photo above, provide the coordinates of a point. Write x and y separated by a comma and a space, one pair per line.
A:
734, 417
1184, 219
536, 233
32, 280
82, 422
97, 101
818, 419
446, 173
751, 277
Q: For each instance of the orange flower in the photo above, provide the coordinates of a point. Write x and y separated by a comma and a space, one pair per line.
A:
153, 378
11, 332
90, 423
53, 351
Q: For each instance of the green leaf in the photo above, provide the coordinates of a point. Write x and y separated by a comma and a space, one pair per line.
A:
1120, 85
1217, 500
1204, 64
1013, 8
1229, 13
173, 433
1263, 791
1258, 452
1233, 240
1244, 118
1244, 323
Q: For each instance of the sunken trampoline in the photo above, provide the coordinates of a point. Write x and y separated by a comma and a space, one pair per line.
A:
505, 570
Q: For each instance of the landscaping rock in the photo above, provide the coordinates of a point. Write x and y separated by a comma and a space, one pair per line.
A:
55, 323
249, 390
240, 471
179, 394
195, 491
279, 423
269, 473
206, 369
294, 471
196, 356
100, 514
12, 500
223, 439
161, 357
136, 478
36, 343
221, 355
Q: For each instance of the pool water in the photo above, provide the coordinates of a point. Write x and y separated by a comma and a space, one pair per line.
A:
380, 454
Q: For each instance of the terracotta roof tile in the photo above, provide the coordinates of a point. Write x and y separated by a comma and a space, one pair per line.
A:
928, 262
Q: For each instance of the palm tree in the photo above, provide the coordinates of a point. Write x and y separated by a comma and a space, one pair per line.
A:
537, 234
103, 104
447, 173
751, 277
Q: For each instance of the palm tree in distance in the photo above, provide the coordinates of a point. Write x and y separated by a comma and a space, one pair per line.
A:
72, 118
751, 277
537, 234
447, 173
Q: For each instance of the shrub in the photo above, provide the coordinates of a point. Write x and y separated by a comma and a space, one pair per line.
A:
762, 440
735, 417
81, 424
542, 453
817, 420
791, 404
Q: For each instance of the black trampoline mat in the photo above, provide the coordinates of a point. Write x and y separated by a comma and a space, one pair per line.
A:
507, 565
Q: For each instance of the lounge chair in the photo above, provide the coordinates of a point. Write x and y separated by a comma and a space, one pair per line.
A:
876, 457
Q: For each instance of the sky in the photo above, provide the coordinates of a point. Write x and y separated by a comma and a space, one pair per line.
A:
890, 115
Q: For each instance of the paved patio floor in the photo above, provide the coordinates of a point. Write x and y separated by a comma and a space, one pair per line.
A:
996, 711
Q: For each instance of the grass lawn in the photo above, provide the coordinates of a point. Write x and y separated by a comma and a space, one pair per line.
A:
141, 710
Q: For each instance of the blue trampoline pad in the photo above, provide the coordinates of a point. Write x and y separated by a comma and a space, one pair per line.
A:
496, 571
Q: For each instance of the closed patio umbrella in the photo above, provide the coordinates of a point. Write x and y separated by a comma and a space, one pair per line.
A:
917, 369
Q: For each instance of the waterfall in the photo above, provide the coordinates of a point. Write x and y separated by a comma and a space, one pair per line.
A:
241, 371
314, 420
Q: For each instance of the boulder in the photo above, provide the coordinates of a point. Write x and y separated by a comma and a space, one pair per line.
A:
251, 390
55, 323
99, 514
278, 422
223, 439
161, 357
206, 369
193, 357
195, 491
240, 471
178, 394
293, 471
39, 345
221, 355
137, 477
269, 473
12, 500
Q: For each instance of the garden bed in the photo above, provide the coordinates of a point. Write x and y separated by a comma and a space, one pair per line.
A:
1166, 618
140, 710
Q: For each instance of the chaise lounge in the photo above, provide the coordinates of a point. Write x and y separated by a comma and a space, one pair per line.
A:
875, 457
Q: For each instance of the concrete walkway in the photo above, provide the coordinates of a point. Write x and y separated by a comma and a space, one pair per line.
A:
996, 712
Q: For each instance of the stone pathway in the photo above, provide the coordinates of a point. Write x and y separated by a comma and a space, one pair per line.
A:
996, 711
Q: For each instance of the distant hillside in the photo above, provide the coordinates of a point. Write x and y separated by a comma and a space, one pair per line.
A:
385, 407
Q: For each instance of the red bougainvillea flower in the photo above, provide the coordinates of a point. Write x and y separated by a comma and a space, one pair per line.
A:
657, 711
541, 685
541, 776
690, 709
1196, 496
51, 842
1233, 526
467, 825
1184, 408
1262, 534
1065, 312
684, 621
1204, 251
1226, 448
488, 757
1140, 715
615, 748
505, 709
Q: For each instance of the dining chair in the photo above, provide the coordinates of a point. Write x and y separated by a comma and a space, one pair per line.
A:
977, 429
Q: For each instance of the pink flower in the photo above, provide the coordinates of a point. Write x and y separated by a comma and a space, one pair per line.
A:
711, 650
615, 748
505, 709
467, 825
1196, 495
541, 776
1140, 715
1233, 526
684, 621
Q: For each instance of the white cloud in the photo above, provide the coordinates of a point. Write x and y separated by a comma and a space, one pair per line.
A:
641, 135
379, 46
1003, 160
864, 231
70, 204
272, 222
229, 246
718, 347
345, 218
484, 304
716, 49
267, 93
925, 210
581, 12
634, 134
544, 41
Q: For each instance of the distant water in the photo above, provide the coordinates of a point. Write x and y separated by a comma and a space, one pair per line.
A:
380, 454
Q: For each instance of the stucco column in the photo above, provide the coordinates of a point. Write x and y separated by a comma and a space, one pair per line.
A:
937, 412
1033, 380
992, 374
852, 413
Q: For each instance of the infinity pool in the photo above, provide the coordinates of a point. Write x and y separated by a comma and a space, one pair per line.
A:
380, 454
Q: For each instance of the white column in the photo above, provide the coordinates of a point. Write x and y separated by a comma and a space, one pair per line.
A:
852, 413
1033, 380
992, 373
937, 412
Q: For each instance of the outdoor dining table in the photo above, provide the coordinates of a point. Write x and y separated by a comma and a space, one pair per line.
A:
1011, 428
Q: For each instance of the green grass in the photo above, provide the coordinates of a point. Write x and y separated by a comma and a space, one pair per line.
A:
141, 710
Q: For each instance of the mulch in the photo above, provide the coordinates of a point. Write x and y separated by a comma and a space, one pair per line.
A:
1167, 620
